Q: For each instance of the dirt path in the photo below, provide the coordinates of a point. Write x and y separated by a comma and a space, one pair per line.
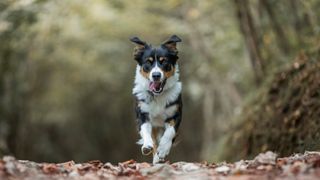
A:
264, 166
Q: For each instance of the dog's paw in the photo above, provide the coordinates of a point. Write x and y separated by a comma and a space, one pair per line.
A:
146, 150
163, 150
157, 159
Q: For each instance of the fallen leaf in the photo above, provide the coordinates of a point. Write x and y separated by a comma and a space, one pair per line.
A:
96, 163
50, 168
68, 166
266, 158
131, 161
298, 167
143, 165
84, 168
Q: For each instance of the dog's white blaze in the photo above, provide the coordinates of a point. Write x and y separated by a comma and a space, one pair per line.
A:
156, 69
145, 133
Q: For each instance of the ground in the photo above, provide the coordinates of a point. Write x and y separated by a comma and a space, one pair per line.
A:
264, 166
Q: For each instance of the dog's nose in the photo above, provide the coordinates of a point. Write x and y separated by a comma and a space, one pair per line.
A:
156, 76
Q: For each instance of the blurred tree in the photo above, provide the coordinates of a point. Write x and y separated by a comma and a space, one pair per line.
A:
248, 30
15, 19
272, 120
266, 25
76, 84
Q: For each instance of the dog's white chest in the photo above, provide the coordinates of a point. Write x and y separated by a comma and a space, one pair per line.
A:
155, 106
158, 112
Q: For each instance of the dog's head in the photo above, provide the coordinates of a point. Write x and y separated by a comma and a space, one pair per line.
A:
157, 64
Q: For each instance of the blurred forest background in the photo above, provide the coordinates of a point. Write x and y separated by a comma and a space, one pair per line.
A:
66, 71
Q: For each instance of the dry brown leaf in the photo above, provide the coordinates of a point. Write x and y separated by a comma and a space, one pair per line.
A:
131, 161
96, 163
68, 166
143, 165
262, 167
50, 168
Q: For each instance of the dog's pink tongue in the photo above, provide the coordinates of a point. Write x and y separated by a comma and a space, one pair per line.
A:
154, 86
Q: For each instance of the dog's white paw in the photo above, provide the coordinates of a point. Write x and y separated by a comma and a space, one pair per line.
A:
164, 149
157, 159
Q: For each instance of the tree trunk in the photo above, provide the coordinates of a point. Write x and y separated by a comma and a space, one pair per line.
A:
251, 39
281, 37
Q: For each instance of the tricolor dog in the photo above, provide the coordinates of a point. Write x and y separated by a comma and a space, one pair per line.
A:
158, 96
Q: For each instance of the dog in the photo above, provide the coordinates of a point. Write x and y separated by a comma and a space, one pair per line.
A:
157, 91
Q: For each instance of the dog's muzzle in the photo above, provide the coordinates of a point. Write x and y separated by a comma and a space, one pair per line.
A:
156, 87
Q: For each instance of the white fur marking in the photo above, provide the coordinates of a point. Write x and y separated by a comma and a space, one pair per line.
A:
145, 133
166, 141
156, 159
156, 69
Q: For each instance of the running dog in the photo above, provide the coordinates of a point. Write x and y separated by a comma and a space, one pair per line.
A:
157, 90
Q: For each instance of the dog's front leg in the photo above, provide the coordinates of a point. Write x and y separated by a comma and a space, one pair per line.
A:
165, 143
145, 133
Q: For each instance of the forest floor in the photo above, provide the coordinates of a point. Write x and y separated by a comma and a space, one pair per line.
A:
264, 166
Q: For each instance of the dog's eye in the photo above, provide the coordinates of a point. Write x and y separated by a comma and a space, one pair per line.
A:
146, 66
163, 60
166, 66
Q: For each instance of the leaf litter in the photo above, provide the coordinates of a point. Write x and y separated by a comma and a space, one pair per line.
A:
264, 166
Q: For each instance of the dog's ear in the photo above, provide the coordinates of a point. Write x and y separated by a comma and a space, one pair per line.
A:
139, 49
171, 43
138, 42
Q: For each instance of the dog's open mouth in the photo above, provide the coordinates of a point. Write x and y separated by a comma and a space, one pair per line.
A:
156, 86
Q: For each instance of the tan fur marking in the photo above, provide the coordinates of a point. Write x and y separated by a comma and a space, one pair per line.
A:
145, 74
150, 59
172, 46
172, 122
137, 49
170, 73
162, 58
154, 135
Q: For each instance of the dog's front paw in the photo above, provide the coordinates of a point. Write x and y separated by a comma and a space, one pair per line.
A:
157, 159
146, 150
163, 150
